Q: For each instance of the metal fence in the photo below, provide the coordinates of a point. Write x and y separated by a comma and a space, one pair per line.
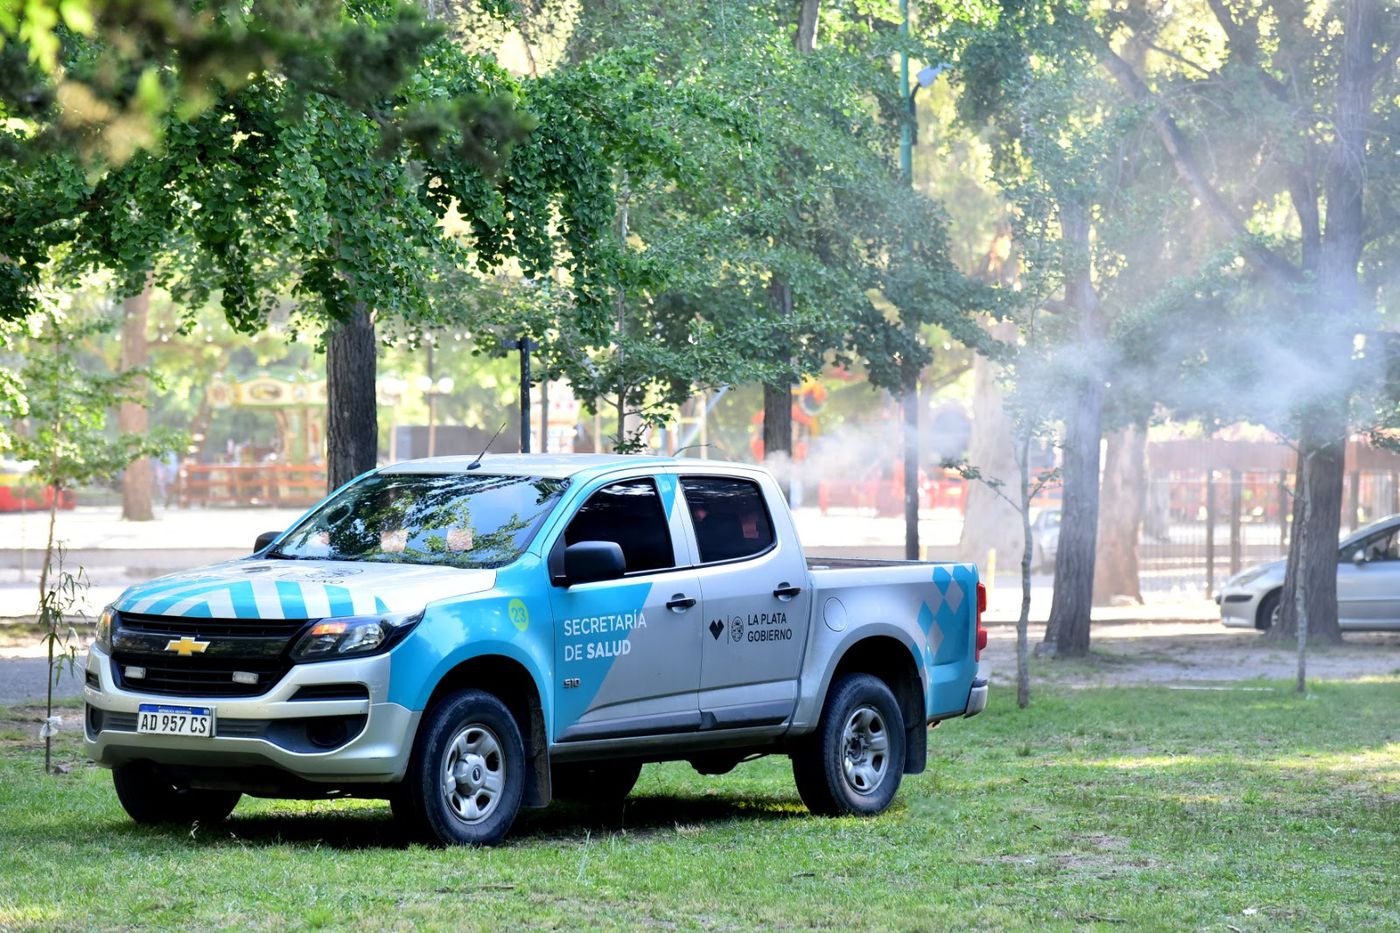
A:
1201, 526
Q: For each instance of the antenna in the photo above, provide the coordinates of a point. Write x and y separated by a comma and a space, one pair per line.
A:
477, 462
682, 450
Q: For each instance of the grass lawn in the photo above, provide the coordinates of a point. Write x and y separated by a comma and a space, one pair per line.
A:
1136, 807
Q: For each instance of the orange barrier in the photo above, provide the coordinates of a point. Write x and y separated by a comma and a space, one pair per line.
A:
272, 484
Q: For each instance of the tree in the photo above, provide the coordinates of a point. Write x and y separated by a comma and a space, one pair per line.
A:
63, 412
292, 162
1311, 97
799, 238
1064, 153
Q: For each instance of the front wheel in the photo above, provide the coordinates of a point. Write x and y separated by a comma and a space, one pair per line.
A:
467, 775
150, 797
853, 763
1267, 616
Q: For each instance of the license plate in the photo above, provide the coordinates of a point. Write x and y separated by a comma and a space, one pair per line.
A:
154, 719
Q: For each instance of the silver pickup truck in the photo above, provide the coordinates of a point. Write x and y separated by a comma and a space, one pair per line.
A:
465, 638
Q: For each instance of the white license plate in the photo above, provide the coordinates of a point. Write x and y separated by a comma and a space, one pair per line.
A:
156, 719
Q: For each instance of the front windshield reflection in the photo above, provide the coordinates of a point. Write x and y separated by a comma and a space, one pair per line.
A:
453, 520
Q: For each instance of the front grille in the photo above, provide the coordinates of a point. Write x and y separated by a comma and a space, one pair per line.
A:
205, 628
254, 649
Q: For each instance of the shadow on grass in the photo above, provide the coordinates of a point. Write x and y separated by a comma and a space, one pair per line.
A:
359, 827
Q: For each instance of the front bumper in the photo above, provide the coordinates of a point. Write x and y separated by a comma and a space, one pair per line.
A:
977, 697
1239, 608
271, 730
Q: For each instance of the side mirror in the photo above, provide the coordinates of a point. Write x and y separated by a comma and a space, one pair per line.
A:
1358, 556
589, 561
264, 539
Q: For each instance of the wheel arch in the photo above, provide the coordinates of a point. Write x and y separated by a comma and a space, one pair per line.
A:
892, 661
510, 682
1260, 622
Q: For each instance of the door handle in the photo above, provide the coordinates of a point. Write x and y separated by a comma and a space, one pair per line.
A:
680, 602
786, 592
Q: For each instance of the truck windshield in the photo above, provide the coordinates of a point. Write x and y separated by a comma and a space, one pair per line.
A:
452, 520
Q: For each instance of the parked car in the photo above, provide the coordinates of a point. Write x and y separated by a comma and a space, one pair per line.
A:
1045, 532
467, 638
1368, 584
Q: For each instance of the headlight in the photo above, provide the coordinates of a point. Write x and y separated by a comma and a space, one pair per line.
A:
353, 635
104, 629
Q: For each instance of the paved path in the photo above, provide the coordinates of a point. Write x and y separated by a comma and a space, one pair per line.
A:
23, 680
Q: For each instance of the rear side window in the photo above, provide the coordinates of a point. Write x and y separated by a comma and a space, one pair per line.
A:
630, 514
730, 518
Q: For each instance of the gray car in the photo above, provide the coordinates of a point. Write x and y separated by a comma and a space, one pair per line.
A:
1045, 532
1368, 584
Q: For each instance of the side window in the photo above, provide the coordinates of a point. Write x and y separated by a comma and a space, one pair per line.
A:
730, 518
1384, 547
630, 514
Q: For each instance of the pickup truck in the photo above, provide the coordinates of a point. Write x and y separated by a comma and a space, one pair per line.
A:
466, 637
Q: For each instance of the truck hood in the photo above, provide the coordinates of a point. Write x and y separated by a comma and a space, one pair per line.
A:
254, 588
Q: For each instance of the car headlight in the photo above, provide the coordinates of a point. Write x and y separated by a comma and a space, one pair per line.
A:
353, 635
104, 629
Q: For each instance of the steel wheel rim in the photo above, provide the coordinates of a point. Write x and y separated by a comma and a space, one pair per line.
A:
473, 773
865, 746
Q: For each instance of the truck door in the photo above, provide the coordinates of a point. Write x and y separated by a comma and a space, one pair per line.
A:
627, 651
754, 586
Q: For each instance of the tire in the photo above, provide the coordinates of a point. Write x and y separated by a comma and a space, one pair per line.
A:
853, 763
595, 783
149, 797
467, 774
1268, 607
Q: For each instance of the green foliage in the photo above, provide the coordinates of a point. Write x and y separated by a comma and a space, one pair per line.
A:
321, 172
66, 405
1098, 808
62, 594
780, 236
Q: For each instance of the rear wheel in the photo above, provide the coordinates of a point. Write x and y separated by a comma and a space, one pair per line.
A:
150, 797
595, 782
853, 763
467, 774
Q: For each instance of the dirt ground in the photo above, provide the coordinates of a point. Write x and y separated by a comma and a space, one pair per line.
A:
1190, 654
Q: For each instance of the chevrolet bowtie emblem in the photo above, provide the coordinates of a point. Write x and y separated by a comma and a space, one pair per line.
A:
186, 646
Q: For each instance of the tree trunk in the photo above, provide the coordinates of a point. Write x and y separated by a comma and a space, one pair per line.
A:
910, 406
352, 418
1023, 661
1067, 631
777, 397
133, 417
990, 523
807, 12
1312, 552
1312, 555
1122, 499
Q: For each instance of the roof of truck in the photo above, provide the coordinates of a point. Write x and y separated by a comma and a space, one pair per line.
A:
554, 466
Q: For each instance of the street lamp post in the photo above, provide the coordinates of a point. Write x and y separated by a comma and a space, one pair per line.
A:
524, 345
910, 401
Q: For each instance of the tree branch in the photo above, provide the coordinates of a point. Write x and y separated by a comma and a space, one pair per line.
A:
1174, 141
1178, 57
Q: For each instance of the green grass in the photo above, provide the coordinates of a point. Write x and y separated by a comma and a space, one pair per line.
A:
1135, 808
